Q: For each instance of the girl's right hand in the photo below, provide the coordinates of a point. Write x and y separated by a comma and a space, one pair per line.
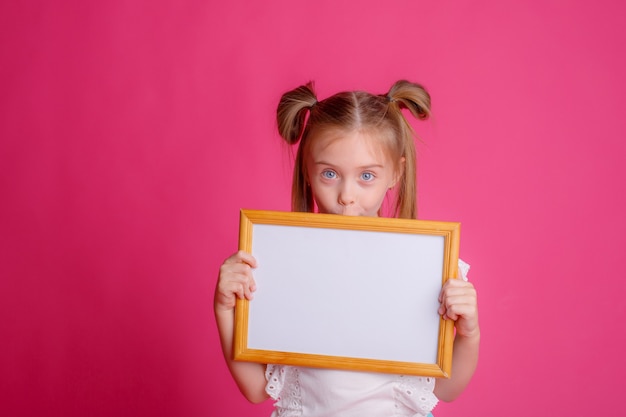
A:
235, 280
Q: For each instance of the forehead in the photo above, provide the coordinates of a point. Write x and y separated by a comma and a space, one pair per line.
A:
331, 141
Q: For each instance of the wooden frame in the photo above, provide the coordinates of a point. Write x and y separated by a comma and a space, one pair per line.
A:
355, 293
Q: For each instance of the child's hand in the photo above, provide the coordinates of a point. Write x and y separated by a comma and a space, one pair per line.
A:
235, 280
458, 302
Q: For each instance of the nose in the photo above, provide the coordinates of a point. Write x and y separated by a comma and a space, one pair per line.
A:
346, 195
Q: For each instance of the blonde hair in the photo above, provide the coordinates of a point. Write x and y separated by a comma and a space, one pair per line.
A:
301, 116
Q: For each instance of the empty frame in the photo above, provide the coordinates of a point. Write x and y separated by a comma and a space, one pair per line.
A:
356, 293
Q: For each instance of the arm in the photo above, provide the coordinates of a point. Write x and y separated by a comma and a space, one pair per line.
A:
236, 281
458, 303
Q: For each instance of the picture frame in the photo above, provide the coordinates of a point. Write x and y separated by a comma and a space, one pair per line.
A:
345, 292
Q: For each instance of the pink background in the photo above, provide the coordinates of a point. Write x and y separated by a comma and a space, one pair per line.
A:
131, 133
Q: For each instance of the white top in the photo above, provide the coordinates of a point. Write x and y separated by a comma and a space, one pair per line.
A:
312, 392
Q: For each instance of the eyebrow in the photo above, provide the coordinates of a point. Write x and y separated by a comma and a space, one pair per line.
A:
361, 167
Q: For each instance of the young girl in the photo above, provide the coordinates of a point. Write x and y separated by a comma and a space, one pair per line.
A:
355, 149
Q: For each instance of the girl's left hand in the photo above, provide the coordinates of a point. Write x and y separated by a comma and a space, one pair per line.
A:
458, 302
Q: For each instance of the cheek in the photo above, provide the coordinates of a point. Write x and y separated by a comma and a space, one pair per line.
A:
381, 199
380, 196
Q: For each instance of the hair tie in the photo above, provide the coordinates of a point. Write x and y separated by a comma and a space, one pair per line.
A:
390, 99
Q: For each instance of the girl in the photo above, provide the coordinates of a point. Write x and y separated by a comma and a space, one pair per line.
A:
355, 149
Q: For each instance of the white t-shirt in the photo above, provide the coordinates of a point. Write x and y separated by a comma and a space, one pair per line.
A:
311, 392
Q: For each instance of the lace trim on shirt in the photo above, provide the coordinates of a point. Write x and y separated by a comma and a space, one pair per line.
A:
288, 404
413, 391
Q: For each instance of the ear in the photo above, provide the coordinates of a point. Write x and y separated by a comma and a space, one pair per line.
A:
399, 172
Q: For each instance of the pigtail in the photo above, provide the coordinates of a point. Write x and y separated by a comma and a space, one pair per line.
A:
415, 98
291, 116
411, 96
292, 111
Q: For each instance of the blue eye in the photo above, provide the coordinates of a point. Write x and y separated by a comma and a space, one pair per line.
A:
329, 174
367, 176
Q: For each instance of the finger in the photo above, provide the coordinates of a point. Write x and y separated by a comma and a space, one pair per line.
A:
455, 287
458, 283
457, 310
229, 291
450, 300
460, 308
453, 283
457, 302
239, 290
242, 257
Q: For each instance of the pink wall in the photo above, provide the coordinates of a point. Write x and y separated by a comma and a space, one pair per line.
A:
132, 132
